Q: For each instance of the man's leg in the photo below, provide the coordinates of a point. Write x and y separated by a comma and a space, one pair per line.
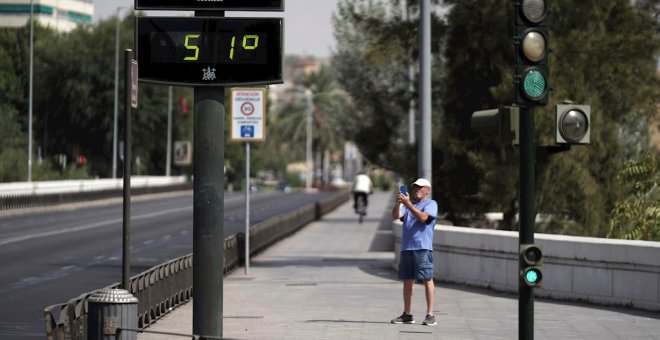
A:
429, 287
407, 296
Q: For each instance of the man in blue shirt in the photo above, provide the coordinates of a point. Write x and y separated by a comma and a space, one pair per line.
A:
418, 214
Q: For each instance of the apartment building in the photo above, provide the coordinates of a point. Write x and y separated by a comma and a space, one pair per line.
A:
60, 15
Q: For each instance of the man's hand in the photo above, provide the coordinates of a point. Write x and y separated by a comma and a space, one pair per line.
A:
403, 199
396, 211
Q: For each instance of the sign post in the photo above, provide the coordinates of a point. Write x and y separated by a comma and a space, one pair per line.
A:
248, 111
130, 103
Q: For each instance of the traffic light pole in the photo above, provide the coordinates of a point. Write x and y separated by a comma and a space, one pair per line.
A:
527, 216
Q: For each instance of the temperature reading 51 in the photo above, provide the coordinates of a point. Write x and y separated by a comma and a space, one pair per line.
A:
191, 42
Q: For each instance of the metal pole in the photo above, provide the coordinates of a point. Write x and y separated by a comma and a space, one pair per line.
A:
208, 216
411, 109
425, 91
168, 148
411, 90
308, 151
116, 109
527, 216
126, 251
208, 206
29, 174
247, 208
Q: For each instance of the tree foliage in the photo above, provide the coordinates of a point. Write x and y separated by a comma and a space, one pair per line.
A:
73, 110
604, 54
330, 108
376, 46
637, 216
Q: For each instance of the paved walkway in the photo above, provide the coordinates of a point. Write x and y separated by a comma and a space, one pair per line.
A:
334, 280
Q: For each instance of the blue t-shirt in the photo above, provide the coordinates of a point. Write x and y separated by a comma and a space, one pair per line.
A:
417, 234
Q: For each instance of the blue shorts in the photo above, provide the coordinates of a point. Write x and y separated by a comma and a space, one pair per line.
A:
416, 265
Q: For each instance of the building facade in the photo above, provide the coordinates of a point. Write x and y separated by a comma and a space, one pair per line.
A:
60, 15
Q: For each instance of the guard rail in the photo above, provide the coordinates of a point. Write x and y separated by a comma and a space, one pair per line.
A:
166, 286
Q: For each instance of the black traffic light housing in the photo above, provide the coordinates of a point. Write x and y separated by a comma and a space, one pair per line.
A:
531, 262
504, 121
531, 52
572, 124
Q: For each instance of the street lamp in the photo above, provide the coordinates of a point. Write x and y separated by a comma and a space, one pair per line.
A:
308, 153
29, 175
114, 128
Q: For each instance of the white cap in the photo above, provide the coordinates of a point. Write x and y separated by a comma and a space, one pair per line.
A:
422, 182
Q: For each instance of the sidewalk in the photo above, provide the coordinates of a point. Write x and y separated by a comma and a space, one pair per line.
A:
334, 280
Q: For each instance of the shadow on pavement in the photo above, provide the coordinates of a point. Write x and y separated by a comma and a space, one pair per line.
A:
346, 321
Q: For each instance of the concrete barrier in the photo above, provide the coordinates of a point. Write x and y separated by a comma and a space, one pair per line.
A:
599, 271
84, 185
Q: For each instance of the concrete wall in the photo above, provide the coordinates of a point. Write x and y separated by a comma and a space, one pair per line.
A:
599, 271
83, 185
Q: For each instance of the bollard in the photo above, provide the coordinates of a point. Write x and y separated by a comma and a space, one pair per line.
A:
109, 309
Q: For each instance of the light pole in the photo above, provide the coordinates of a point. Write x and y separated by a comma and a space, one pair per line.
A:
411, 89
424, 146
29, 174
114, 124
308, 153
168, 148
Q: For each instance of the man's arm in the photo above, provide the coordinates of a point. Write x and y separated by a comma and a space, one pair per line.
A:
419, 215
396, 210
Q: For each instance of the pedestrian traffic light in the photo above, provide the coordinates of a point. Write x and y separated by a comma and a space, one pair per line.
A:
531, 261
573, 124
531, 52
504, 121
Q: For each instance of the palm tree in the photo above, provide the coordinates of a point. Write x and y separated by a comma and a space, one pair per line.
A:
330, 106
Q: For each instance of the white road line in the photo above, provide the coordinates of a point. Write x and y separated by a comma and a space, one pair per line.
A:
78, 228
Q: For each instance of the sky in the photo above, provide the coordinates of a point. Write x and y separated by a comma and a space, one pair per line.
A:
307, 23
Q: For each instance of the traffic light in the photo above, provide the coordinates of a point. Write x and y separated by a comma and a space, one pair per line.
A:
81, 160
531, 261
573, 124
504, 121
531, 52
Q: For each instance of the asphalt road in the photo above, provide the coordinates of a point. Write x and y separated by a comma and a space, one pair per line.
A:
50, 257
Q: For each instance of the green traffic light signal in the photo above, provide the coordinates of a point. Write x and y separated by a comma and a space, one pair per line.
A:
534, 84
531, 261
533, 277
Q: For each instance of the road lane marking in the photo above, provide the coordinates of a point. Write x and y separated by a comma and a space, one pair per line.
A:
79, 228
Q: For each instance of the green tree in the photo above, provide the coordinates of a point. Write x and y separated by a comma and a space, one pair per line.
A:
618, 44
591, 58
376, 44
74, 104
75, 111
637, 216
331, 107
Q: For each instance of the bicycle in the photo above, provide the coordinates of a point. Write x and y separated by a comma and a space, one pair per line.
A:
361, 208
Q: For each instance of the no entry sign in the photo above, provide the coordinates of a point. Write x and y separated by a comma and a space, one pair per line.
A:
248, 114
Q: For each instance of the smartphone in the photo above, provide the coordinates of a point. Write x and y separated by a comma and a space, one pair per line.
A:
403, 189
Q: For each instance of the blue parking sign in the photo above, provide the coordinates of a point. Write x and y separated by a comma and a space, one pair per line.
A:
247, 131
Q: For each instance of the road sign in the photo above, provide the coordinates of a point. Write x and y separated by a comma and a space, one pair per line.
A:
205, 51
182, 153
248, 114
223, 5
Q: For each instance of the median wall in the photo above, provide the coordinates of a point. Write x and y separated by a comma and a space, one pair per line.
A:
594, 270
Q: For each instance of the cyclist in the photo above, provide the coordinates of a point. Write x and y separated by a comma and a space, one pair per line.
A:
362, 187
